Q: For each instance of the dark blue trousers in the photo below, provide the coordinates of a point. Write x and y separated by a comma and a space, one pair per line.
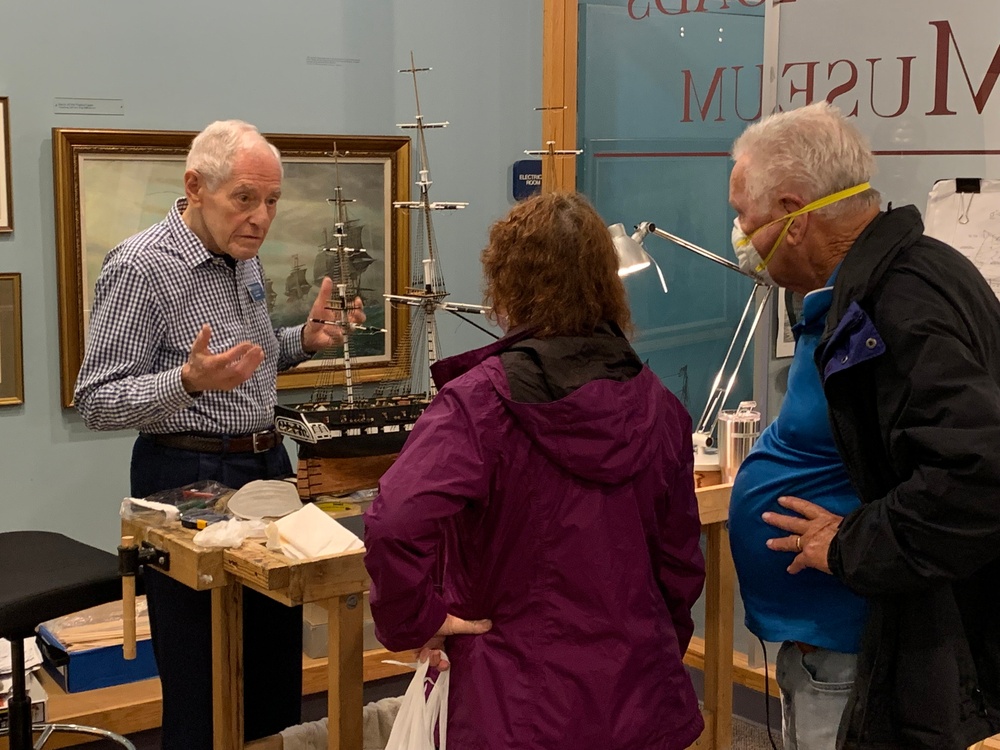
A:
180, 618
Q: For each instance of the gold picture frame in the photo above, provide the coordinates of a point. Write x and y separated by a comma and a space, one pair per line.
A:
11, 355
110, 184
6, 194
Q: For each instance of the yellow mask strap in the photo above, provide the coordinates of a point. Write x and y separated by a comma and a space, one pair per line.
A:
788, 218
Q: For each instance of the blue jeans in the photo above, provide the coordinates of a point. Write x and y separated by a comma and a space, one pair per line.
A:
814, 688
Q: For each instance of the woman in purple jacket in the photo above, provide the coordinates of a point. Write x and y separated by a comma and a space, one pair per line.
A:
542, 513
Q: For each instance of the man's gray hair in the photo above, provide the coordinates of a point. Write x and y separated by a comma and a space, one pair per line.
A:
814, 149
214, 149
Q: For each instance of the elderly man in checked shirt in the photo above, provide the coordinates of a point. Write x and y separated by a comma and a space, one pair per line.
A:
182, 349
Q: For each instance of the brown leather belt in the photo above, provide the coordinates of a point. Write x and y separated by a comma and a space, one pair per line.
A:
257, 442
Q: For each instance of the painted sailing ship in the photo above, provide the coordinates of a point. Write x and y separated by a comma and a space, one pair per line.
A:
342, 422
269, 294
345, 259
297, 285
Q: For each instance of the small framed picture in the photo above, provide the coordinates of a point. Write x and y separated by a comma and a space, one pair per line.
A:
788, 309
6, 202
11, 364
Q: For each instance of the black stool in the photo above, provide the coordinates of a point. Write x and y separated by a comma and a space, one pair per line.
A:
45, 575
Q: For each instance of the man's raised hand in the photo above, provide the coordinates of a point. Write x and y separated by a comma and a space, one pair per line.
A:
205, 371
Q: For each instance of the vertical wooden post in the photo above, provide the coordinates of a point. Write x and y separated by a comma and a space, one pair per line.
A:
719, 591
227, 666
345, 676
559, 65
128, 604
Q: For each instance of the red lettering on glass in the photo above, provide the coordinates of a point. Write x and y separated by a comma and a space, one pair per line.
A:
945, 39
844, 88
810, 88
904, 94
689, 93
760, 90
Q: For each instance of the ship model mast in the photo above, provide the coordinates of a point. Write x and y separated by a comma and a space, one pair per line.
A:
346, 441
340, 236
428, 296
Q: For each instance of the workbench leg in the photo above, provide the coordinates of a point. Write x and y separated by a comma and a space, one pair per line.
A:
227, 667
720, 589
345, 678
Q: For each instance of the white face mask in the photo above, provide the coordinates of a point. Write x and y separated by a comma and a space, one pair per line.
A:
748, 257
746, 253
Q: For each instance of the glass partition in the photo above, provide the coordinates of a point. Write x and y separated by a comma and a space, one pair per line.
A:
665, 86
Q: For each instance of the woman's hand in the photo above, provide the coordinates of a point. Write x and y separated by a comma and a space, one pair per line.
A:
452, 626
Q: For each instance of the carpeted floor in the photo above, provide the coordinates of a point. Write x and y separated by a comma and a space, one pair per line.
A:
748, 735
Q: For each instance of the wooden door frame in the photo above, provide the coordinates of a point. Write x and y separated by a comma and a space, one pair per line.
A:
559, 65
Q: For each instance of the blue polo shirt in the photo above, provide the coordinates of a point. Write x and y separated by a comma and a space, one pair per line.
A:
795, 455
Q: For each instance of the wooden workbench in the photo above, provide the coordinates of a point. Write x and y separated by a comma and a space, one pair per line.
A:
337, 582
135, 707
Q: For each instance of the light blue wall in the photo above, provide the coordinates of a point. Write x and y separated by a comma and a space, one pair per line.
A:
180, 65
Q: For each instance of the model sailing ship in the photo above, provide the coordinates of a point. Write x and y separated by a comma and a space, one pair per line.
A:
364, 433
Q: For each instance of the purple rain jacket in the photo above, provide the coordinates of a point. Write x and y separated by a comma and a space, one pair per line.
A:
573, 526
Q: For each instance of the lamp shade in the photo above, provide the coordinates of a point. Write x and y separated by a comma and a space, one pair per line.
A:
632, 256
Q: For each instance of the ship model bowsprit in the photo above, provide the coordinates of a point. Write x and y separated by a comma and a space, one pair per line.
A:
347, 438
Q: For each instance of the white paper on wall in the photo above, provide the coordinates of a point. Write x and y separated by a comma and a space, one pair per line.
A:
969, 222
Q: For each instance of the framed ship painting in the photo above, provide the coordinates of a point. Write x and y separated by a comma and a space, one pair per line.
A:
6, 200
110, 184
11, 362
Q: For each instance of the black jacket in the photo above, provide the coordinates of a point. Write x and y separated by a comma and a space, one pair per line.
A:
910, 362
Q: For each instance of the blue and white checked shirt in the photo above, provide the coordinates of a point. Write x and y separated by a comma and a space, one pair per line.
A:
155, 291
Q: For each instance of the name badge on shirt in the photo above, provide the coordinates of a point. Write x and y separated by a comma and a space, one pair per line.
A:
256, 291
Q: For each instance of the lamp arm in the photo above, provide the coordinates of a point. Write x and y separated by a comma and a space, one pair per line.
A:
723, 384
702, 436
648, 227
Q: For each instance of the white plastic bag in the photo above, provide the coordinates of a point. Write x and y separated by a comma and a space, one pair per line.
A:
414, 726
229, 533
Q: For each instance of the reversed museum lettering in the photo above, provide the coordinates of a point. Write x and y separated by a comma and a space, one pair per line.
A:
640, 9
850, 84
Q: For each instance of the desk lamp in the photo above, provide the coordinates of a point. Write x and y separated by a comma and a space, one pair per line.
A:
633, 257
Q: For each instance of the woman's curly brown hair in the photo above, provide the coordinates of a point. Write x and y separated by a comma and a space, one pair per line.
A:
551, 267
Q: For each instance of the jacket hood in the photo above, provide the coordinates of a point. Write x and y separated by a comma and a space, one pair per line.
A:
600, 432
606, 429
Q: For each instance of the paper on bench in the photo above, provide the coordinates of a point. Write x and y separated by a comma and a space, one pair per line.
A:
310, 532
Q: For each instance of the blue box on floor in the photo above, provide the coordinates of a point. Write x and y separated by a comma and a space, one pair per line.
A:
93, 668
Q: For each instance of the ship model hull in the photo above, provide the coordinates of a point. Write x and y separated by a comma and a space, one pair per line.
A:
340, 430
343, 448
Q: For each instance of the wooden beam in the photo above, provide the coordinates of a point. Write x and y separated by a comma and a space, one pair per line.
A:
345, 650
559, 51
743, 673
713, 503
227, 667
274, 742
719, 590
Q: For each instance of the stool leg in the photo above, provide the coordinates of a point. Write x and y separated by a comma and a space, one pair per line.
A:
19, 707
